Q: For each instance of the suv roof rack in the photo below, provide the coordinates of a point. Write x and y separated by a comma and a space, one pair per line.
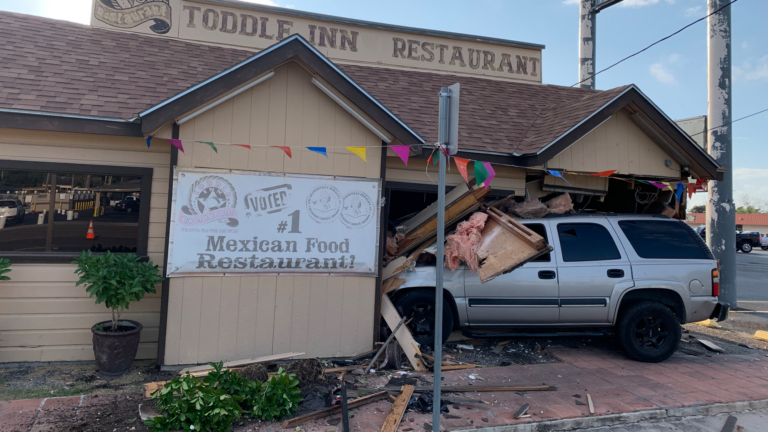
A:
552, 215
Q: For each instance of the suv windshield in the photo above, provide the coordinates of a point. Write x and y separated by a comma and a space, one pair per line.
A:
664, 239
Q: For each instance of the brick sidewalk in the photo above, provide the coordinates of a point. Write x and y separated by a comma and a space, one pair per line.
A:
616, 385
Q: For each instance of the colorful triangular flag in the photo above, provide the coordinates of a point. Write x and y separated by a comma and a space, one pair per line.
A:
679, 191
360, 151
691, 190
604, 173
491, 174
287, 150
320, 150
149, 140
403, 151
461, 164
176, 143
481, 173
658, 185
432, 160
213, 146
244, 146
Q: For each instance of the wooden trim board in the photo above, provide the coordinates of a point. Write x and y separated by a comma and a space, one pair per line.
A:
398, 409
404, 338
237, 363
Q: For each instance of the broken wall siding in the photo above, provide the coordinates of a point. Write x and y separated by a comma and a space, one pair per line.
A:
228, 318
43, 315
617, 144
507, 178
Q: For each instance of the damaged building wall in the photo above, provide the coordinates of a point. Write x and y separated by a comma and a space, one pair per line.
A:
617, 144
507, 178
228, 318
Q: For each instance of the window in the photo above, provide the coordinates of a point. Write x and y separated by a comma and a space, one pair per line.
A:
49, 208
586, 242
540, 230
664, 239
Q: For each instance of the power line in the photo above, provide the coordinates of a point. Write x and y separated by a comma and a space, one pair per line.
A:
726, 124
657, 42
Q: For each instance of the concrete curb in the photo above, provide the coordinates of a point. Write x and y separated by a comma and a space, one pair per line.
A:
626, 418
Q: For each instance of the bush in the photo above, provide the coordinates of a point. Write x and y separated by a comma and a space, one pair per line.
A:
5, 267
218, 400
116, 279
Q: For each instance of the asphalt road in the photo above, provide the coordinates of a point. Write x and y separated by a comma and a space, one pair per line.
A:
752, 280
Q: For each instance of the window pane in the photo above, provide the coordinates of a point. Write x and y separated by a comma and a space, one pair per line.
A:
540, 230
664, 239
586, 242
111, 202
23, 198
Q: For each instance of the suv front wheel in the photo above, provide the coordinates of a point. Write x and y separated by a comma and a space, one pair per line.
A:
649, 332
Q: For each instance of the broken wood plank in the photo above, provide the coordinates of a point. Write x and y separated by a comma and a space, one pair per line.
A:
334, 409
446, 367
591, 405
245, 362
460, 389
523, 409
343, 368
500, 251
393, 268
392, 285
383, 347
430, 212
398, 409
403, 335
521, 231
362, 355
152, 387
710, 346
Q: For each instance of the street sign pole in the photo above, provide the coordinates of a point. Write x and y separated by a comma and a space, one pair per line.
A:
448, 136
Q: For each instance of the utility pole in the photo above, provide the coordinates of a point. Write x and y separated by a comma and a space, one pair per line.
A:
588, 10
721, 211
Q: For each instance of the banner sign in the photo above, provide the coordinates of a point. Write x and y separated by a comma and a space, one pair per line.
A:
247, 222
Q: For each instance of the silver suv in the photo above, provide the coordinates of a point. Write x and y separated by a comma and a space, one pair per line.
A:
642, 275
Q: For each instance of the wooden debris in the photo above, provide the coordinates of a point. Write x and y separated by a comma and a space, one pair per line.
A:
383, 347
398, 409
246, 362
708, 323
459, 389
761, 335
150, 388
334, 409
730, 424
446, 367
342, 375
391, 284
403, 335
393, 268
710, 346
523, 409
339, 369
506, 245
591, 405
364, 355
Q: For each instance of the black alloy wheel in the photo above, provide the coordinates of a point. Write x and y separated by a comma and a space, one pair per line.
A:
418, 306
649, 331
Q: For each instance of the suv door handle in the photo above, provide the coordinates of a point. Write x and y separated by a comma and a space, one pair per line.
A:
547, 274
615, 273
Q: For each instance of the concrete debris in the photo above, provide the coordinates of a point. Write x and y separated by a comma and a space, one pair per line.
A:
462, 245
710, 346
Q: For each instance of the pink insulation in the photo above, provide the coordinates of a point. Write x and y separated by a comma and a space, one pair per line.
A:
462, 245
560, 204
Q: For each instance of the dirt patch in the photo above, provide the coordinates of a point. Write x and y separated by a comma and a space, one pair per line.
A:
27, 382
116, 415
256, 372
306, 370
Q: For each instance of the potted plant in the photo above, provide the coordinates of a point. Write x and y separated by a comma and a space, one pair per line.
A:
5, 267
116, 280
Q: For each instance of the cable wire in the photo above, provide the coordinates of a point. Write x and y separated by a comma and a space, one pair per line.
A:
657, 42
732, 122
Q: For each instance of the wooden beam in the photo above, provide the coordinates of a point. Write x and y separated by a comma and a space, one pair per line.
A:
398, 409
403, 335
246, 362
521, 231
334, 409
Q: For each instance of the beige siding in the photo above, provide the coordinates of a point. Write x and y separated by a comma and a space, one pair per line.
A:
617, 144
43, 315
226, 318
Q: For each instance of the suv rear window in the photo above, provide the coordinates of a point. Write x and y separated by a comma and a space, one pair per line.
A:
586, 242
540, 230
8, 204
664, 240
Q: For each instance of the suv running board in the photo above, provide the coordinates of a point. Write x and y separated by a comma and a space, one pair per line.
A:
529, 333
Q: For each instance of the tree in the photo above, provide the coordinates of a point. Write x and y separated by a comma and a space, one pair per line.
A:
699, 209
749, 204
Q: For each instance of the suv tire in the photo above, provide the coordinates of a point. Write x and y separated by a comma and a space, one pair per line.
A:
745, 247
419, 307
649, 332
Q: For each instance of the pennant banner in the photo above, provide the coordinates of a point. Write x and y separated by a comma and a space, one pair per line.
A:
287, 150
559, 174
176, 143
461, 164
360, 151
244, 145
481, 173
149, 140
320, 150
679, 192
491, 174
403, 151
213, 146
604, 173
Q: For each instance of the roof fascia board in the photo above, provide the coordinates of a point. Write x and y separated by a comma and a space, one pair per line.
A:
15, 119
294, 47
372, 24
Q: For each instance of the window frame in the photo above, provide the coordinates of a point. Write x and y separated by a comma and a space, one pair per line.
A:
56, 168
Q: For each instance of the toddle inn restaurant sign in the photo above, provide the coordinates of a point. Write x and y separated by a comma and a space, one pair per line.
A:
248, 222
257, 27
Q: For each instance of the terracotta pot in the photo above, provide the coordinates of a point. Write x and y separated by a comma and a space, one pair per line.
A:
115, 351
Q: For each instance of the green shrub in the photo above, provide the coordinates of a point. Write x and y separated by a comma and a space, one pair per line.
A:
218, 400
116, 279
5, 267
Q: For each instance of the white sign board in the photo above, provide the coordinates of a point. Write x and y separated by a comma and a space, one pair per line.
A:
247, 222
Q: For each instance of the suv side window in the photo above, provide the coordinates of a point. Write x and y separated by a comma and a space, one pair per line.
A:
586, 242
664, 239
540, 230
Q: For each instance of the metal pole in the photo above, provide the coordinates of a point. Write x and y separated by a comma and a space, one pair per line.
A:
587, 39
721, 212
445, 94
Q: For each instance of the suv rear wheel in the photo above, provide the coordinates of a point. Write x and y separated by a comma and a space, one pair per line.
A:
418, 306
745, 247
649, 332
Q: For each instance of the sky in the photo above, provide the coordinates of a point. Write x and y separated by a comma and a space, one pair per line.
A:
673, 74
